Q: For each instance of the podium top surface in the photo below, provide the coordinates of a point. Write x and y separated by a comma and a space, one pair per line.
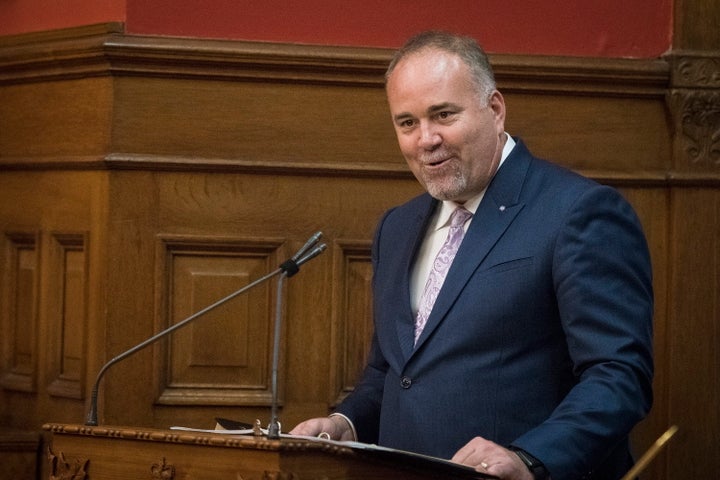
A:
287, 452
189, 437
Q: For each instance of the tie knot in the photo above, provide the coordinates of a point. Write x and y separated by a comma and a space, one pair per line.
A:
459, 217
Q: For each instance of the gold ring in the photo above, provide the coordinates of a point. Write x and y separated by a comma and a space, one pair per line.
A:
324, 435
484, 465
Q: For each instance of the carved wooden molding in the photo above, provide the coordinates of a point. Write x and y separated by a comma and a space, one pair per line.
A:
695, 69
104, 49
162, 471
697, 128
695, 108
268, 475
688, 81
67, 469
197, 438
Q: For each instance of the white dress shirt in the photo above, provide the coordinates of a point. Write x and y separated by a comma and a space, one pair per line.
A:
437, 232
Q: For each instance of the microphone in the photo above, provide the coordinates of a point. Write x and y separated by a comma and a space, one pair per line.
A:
291, 265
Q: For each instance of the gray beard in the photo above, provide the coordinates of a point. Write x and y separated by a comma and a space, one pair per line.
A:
449, 188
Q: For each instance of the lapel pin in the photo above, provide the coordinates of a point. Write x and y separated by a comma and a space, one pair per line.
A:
502, 208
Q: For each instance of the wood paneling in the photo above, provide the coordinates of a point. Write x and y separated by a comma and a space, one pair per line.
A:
20, 318
352, 326
693, 369
143, 178
68, 314
223, 358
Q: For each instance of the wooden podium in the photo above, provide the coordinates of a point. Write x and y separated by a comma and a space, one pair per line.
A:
80, 452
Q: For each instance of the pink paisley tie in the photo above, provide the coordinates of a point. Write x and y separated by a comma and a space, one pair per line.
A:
440, 267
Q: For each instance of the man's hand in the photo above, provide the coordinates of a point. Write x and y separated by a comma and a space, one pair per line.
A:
336, 428
488, 457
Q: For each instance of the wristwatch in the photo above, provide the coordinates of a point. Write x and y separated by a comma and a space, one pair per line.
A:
535, 466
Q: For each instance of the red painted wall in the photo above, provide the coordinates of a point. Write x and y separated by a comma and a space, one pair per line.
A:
601, 28
22, 16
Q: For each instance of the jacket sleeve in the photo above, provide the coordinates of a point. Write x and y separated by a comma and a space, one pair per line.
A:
603, 283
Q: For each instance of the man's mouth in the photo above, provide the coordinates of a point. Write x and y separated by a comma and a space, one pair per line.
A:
436, 162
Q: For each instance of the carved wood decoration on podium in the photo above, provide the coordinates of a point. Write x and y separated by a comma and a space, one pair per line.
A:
62, 468
162, 471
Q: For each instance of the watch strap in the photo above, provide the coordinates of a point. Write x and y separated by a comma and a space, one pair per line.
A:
536, 467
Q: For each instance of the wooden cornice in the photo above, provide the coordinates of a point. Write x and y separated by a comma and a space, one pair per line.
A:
105, 49
687, 82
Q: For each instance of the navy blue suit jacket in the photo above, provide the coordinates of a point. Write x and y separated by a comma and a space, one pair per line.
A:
541, 336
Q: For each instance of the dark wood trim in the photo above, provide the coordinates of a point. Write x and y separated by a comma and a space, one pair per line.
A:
104, 49
640, 179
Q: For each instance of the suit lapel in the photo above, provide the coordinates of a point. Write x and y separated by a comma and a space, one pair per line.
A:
496, 212
413, 228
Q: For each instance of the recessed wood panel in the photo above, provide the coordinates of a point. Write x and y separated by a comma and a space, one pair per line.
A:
222, 356
67, 314
254, 122
352, 314
50, 122
20, 292
601, 136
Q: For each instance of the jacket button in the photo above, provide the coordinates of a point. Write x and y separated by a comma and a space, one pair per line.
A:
405, 382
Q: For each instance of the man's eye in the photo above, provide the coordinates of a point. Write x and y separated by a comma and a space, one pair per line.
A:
444, 115
407, 123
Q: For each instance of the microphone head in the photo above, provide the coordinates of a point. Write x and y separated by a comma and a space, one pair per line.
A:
308, 245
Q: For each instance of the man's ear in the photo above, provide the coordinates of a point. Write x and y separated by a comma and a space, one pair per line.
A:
497, 105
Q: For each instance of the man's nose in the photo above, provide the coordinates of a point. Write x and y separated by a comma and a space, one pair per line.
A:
429, 136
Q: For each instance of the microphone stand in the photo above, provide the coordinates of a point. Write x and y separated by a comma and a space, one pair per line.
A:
286, 269
298, 259
274, 426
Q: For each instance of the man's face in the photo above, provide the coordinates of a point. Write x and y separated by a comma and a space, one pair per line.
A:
451, 138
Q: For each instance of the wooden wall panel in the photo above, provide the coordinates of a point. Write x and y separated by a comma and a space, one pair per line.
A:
59, 213
274, 123
653, 206
220, 223
21, 289
68, 314
352, 325
225, 357
613, 139
144, 177
694, 367
53, 122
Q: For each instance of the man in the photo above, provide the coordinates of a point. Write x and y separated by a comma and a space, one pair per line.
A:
535, 360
